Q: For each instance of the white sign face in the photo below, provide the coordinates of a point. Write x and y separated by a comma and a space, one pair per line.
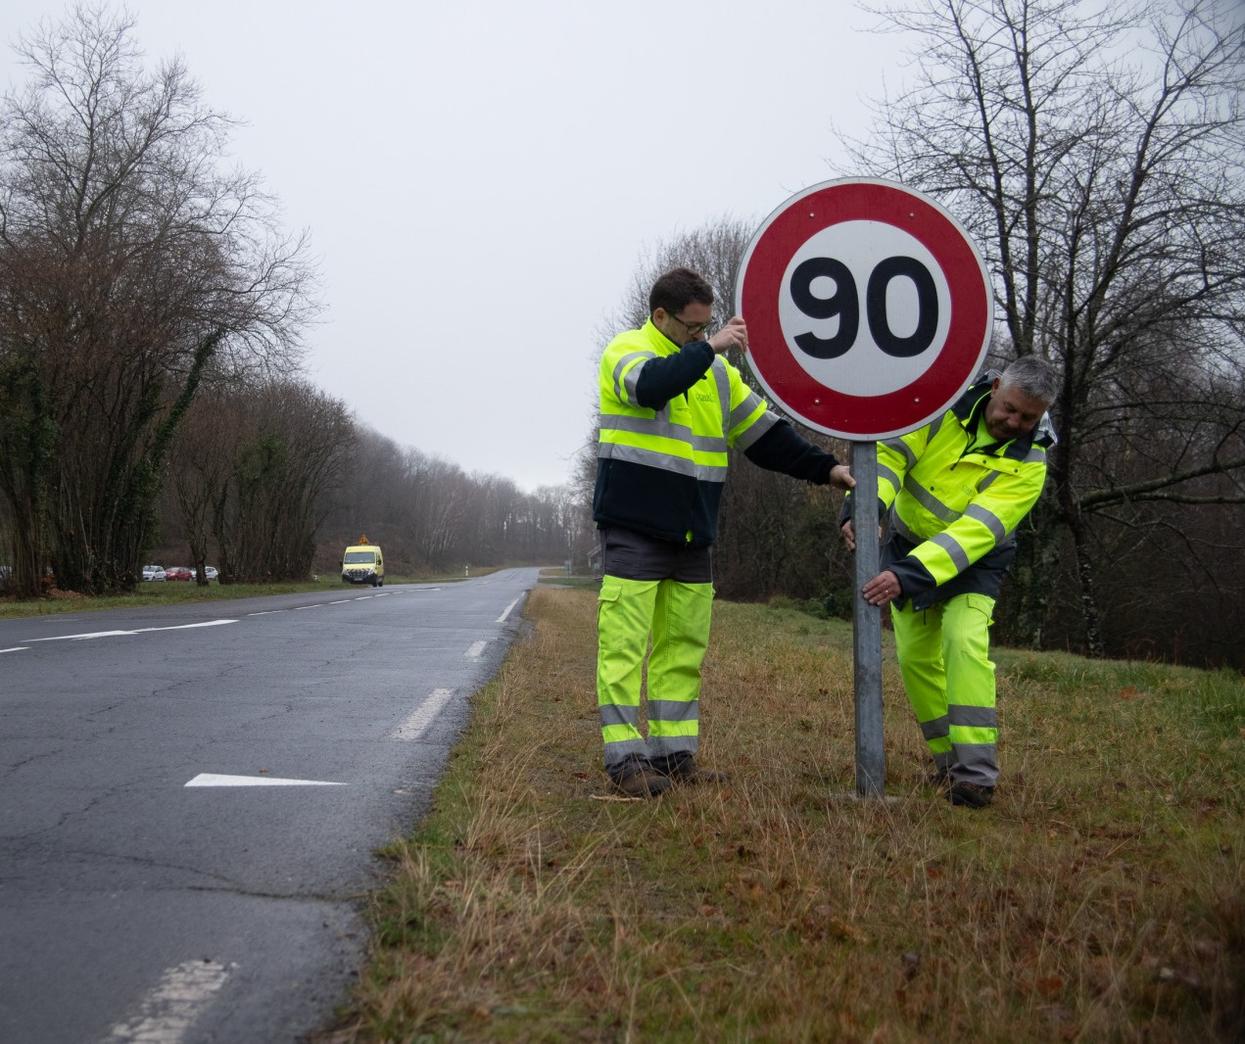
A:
884, 266
869, 309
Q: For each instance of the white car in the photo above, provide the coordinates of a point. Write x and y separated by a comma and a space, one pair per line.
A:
211, 572
153, 572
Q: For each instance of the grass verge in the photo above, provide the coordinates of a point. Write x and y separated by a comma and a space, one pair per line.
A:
1100, 898
180, 593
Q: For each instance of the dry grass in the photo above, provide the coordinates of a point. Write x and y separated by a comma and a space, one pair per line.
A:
1099, 899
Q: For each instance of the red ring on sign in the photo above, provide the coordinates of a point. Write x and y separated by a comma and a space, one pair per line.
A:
836, 412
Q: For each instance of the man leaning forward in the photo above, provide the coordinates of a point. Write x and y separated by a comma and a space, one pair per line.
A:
956, 490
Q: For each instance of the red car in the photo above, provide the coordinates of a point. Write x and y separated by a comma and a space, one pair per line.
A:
179, 573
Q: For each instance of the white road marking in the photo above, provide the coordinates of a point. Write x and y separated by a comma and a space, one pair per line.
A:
314, 605
476, 650
340, 601
16, 648
171, 1008
384, 594
509, 608
267, 612
137, 630
364, 598
415, 725
211, 779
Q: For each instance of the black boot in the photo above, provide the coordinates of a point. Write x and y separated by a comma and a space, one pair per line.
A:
682, 768
636, 776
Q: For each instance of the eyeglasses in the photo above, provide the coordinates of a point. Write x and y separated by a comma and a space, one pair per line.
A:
695, 329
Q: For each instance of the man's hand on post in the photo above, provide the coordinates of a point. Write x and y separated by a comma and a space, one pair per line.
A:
841, 476
849, 534
733, 335
882, 589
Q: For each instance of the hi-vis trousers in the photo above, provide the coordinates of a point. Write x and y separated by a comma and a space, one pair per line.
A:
944, 657
675, 609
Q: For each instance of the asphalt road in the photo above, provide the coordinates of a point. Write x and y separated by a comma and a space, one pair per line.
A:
156, 883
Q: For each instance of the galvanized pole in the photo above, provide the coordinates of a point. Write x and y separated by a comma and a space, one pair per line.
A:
867, 629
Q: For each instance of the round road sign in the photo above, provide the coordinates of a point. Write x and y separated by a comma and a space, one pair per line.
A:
868, 308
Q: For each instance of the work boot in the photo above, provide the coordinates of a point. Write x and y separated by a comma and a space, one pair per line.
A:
636, 777
970, 795
682, 768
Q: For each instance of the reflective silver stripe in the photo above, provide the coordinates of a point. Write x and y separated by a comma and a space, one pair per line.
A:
763, 424
973, 717
744, 410
664, 461
976, 763
899, 446
933, 428
662, 428
949, 545
618, 750
674, 710
928, 501
988, 480
673, 745
646, 426
723, 381
989, 519
901, 527
632, 377
935, 729
619, 714
886, 473
1035, 453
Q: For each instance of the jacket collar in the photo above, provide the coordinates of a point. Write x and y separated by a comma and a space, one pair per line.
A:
657, 339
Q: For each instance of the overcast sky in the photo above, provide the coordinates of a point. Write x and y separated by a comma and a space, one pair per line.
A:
480, 180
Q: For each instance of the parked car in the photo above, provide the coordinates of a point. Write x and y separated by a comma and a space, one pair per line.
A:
179, 573
212, 573
154, 572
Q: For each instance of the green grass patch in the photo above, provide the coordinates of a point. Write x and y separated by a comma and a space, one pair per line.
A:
1099, 898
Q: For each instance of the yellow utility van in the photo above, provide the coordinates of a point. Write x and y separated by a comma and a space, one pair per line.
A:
362, 563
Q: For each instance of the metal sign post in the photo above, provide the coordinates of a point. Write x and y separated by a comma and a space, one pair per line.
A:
869, 312
867, 626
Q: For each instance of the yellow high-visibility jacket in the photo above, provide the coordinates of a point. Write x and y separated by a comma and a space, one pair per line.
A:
954, 511
668, 415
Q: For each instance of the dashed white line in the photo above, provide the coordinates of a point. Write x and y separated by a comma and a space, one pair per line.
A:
364, 598
509, 609
212, 779
341, 601
170, 1009
384, 594
313, 605
476, 650
415, 725
16, 648
137, 630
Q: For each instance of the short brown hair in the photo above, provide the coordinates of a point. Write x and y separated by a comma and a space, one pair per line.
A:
678, 288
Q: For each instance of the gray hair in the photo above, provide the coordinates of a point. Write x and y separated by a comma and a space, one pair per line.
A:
1033, 377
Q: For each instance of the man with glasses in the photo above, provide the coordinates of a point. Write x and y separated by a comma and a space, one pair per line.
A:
670, 408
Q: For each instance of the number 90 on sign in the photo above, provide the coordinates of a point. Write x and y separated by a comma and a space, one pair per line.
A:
864, 308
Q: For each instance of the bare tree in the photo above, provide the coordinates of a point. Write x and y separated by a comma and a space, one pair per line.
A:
131, 265
1097, 153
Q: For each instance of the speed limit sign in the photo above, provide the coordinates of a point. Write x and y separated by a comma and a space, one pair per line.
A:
868, 308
